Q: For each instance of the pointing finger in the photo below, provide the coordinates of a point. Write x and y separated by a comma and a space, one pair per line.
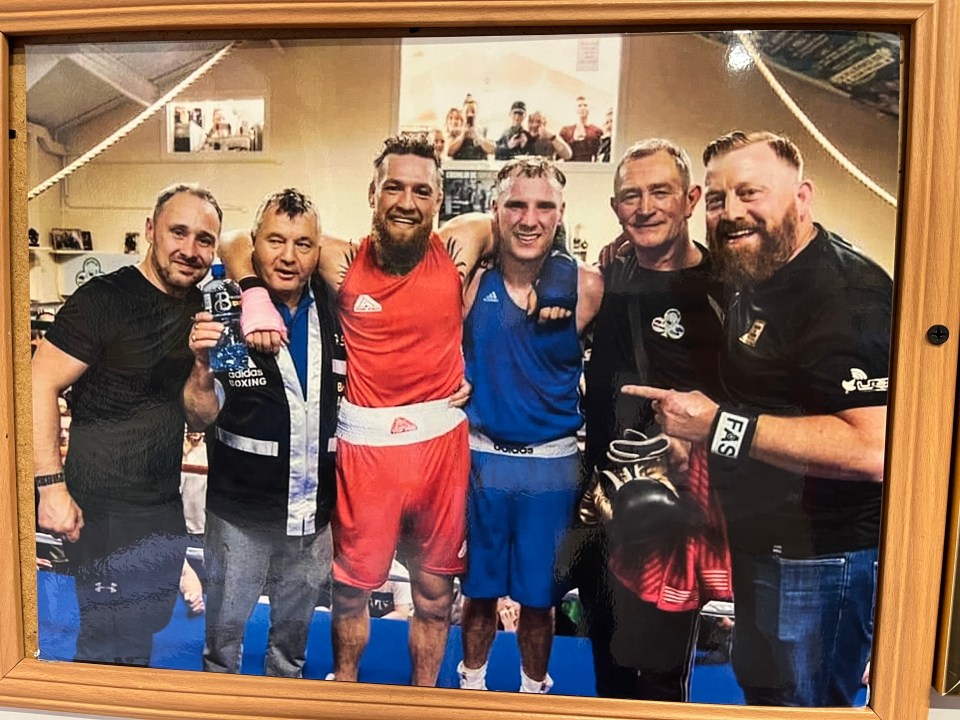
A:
645, 391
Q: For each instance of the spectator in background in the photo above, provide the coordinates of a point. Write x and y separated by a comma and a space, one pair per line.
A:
193, 482
439, 142
468, 142
219, 130
193, 491
181, 130
508, 614
393, 600
514, 139
582, 137
606, 140
543, 142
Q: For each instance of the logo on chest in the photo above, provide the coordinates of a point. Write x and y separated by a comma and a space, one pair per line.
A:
366, 304
670, 325
751, 336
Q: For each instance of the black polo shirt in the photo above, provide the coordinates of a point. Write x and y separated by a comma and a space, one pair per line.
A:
677, 315
812, 340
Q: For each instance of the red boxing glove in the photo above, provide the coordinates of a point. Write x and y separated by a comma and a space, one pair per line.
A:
257, 313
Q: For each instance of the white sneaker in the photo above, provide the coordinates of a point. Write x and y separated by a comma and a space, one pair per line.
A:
472, 679
529, 685
330, 676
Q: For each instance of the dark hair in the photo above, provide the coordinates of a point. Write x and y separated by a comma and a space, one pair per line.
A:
193, 189
288, 201
419, 144
651, 146
532, 167
780, 144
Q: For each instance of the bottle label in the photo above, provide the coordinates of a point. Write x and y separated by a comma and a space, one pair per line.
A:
221, 301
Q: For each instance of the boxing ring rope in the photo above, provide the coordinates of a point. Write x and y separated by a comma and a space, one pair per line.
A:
832, 150
147, 113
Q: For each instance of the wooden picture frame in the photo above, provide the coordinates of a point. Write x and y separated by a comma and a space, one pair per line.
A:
920, 424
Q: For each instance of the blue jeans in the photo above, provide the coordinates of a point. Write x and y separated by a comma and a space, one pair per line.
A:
804, 627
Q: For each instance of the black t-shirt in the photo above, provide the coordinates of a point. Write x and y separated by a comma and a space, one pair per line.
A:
812, 340
679, 314
126, 433
470, 150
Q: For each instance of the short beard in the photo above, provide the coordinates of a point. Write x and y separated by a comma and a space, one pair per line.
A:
398, 257
739, 268
173, 280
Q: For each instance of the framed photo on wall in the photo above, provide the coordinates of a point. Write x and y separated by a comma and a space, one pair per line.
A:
908, 568
211, 126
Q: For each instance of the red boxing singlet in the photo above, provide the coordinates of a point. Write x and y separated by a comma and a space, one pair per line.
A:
403, 334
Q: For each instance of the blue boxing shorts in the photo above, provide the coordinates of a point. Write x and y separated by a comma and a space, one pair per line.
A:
519, 507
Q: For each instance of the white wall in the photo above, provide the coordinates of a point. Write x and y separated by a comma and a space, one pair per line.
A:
330, 106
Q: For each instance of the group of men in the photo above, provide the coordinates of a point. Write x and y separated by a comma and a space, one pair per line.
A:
582, 141
448, 430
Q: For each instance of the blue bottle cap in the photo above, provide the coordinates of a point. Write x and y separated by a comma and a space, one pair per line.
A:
218, 271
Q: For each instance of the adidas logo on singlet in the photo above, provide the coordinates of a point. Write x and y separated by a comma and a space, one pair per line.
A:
492, 297
402, 425
365, 303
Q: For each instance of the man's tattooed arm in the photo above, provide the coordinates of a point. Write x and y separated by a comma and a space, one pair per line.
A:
344, 263
336, 257
456, 254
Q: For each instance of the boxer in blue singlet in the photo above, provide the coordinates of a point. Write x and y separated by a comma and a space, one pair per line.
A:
524, 414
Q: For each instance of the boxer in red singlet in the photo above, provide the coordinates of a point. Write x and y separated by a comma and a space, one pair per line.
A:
402, 455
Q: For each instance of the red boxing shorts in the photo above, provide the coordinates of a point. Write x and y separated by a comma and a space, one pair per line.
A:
402, 472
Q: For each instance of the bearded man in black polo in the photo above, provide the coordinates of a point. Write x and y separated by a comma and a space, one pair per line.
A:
797, 456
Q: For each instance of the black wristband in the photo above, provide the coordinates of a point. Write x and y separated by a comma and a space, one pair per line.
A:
731, 434
44, 480
251, 281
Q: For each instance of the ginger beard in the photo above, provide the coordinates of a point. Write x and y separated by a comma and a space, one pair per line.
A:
400, 250
756, 262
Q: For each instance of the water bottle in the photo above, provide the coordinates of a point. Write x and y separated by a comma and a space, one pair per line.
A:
221, 298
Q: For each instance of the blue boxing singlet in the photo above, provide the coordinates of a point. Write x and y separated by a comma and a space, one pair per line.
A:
525, 375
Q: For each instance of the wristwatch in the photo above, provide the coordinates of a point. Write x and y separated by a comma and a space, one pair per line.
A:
44, 480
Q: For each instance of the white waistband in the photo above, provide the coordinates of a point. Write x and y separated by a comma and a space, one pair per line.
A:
403, 425
553, 449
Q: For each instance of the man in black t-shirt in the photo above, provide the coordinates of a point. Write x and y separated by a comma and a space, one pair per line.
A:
514, 139
798, 455
120, 342
659, 324
465, 139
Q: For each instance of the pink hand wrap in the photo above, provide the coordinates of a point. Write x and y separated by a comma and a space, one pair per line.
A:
257, 312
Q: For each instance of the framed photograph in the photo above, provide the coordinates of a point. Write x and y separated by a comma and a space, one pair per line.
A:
63, 239
212, 126
466, 191
888, 105
563, 86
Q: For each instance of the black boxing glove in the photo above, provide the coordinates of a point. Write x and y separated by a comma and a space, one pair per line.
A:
628, 460
647, 514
